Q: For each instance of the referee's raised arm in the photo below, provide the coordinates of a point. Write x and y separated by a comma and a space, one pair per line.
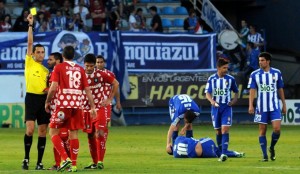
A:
30, 34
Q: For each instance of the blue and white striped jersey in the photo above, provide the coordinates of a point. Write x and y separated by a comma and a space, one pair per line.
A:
255, 38
267, 84
179, 104
220, 88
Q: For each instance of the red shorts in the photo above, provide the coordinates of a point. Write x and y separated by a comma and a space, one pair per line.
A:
64, 133
69, 118
99, 123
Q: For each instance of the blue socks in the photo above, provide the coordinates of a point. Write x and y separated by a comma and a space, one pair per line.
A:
189, 133
219, 141
263, 145
174, 136
274, 140
225, 142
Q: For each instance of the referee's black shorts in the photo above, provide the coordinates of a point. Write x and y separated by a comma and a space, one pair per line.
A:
35, 108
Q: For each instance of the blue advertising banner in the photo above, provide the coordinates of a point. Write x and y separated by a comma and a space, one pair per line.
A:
143, 52
151, 52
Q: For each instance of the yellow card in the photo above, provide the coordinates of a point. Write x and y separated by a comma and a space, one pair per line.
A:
33, 11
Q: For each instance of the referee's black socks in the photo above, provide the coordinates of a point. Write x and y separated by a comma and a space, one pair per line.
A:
41, 148
27, 145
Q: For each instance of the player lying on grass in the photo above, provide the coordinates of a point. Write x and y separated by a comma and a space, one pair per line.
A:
199, 148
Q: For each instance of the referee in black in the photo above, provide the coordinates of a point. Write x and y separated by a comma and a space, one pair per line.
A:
35, 77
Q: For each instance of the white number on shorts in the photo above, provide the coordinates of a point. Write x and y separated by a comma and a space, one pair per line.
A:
74, 78
182, 149
185, 98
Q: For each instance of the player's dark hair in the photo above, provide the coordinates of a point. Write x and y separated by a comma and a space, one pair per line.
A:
189, 116
266, 55
36, 46
139, 10
222, 61
90, 58
101, 57
153, 8
68, 52
57, 56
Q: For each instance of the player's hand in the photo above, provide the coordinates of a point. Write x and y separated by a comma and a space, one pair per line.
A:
106, 102
182, 131
30, 19
251, 110
47, 107
214, 104
93, 113
232, 102
169, 149
119, 106
283, 111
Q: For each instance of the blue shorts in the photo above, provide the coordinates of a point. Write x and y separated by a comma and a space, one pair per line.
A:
266, 117
221, 116
209, 148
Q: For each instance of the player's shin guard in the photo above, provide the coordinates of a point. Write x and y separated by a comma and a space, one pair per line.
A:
174, 136
263, 145
58, 144
101, 148
27, 145
93, 149
225, 142
274, 140
74, 149
219, 141
189, 133
105, 134
41, 148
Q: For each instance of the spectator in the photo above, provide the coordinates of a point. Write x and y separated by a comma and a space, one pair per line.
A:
58, 22
98, 16
252, 63
42, 23
67, 8
43, 8
156, 23
140, 19
83, 11
114, 19
191, 23
3, 10
132, 21
5, 24
244, 32
76, 23
85, 3
255, 37
21, 23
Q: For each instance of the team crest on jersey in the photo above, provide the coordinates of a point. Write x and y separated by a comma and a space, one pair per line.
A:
61, 115
226, 83
95, 80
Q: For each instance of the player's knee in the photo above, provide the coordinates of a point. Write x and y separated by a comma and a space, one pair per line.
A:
29, 131
276, 130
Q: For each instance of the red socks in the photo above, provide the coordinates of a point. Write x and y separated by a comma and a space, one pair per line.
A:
93, 151
58, 144
74, 149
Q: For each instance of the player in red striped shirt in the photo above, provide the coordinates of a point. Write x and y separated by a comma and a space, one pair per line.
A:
97, 127
69, 81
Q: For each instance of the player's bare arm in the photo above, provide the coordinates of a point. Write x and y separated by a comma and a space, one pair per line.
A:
51, 93
251, 99
211, 100
30, 35
234, 100
282, 97
115, 86
91, 101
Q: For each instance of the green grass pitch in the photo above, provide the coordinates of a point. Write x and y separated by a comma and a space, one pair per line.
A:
141, 149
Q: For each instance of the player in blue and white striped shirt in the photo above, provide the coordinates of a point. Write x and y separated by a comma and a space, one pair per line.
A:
218, 92
268, 83
181, 107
